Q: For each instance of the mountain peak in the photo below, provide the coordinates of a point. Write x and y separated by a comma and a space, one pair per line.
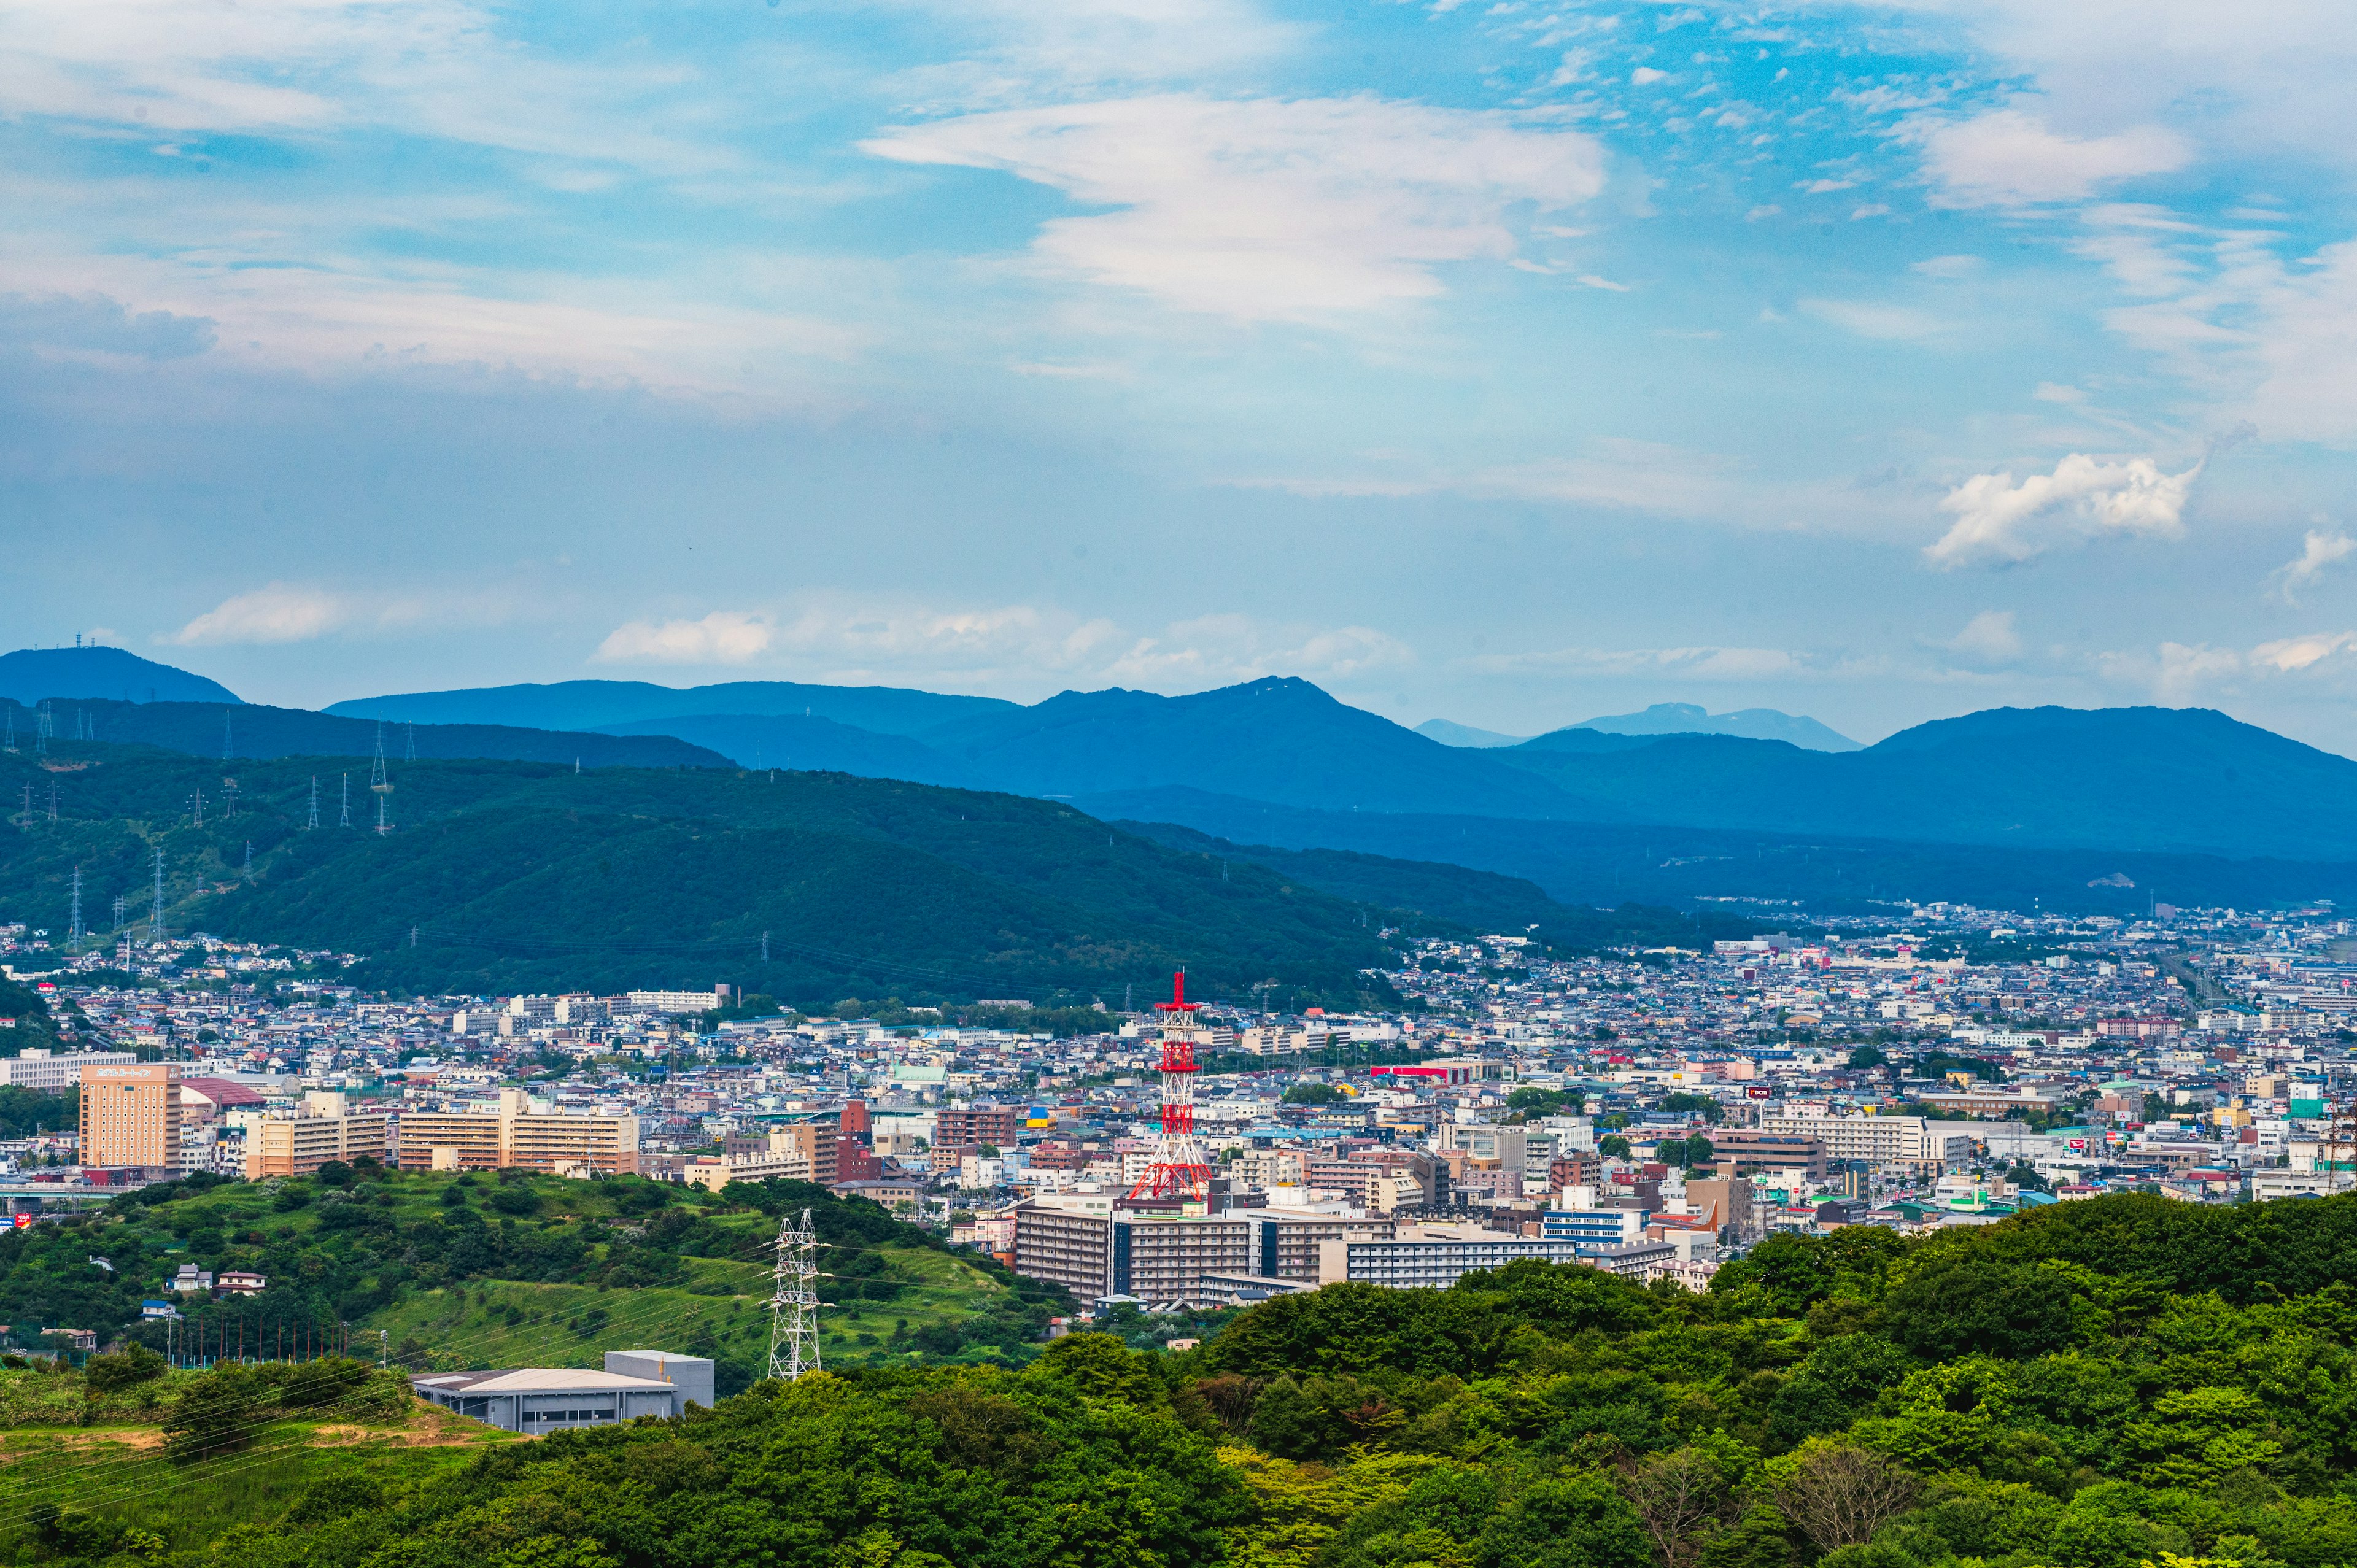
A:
31, 674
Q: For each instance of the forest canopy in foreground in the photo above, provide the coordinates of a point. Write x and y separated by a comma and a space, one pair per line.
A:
2103, 1384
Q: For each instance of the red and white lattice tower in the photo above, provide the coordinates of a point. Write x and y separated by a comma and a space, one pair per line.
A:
1179, 1169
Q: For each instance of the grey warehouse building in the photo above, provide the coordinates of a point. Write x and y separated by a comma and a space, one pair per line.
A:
551, 1399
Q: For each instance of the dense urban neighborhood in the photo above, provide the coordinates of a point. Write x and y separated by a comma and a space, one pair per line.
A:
1652, 1112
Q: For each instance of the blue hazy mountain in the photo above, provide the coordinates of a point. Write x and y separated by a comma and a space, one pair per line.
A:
2146, 780
31, 674
1450, 734
598, 704
1277, 739
804, 744
250, 730
1750, 724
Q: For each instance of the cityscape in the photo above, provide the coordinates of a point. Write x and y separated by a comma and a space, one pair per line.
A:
1178, 784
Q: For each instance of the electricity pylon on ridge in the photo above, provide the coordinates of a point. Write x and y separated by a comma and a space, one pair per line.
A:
793, 1300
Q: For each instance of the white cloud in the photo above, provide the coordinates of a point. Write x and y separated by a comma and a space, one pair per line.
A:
1989, 637
1020, 647
1949, 268
724, 637
1646, 76
2292, 654
1269, 209
2009, 158
1871, 318
280, 612
298, 612
2317, 550
2186, 671
1999, 520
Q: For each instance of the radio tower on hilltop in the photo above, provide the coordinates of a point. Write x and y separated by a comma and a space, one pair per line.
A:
793, 1301
1179, 1169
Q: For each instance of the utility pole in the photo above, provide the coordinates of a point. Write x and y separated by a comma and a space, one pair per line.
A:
793, 1301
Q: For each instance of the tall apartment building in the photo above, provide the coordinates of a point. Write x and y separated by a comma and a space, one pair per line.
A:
325, 1129
1285, 1241
130, 1115
1082, 1244
43, 1070
516, 1136
965, 1126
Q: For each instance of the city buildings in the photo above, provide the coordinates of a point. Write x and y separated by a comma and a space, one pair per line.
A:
325, 1127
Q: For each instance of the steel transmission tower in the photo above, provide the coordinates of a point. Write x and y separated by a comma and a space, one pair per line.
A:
793, 1301
75, 932
1179, 1169
155, 913
315, 804
348, 802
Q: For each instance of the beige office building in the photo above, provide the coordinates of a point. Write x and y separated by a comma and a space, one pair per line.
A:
130, 1115
326, 1129
516, 1137
1883, 1139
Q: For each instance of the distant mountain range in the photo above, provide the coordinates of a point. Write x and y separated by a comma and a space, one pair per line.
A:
1278, 762
1664, 718
249, 729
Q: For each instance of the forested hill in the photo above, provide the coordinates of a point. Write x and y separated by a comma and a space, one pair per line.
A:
503, 876
2126, 1382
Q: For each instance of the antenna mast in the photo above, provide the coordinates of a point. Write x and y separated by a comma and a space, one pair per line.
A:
1179, 1169
793, 1301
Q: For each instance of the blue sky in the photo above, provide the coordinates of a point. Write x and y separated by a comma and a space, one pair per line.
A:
1499, 361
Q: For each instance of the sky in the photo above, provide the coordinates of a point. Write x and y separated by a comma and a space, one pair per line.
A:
1502, 362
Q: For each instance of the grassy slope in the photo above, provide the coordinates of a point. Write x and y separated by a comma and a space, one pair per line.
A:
467, 1323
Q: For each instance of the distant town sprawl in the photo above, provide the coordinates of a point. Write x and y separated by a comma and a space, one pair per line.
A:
1648, 1111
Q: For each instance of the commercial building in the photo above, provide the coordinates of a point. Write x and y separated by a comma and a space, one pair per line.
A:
1434, 1257
49, 1073
1594, 1227
534, 1399
130, 1115
517, 1136
297, 1143
1740, 1151
691, 1374
1082, 1244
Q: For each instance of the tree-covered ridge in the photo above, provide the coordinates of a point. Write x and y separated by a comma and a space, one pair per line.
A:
499, 876
2095, 1385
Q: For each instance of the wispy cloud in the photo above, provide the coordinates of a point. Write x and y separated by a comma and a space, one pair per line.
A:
1268, 209
284, 612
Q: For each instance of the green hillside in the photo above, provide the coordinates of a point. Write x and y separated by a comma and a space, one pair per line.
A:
443, 1272
2127, 1382
505, 875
